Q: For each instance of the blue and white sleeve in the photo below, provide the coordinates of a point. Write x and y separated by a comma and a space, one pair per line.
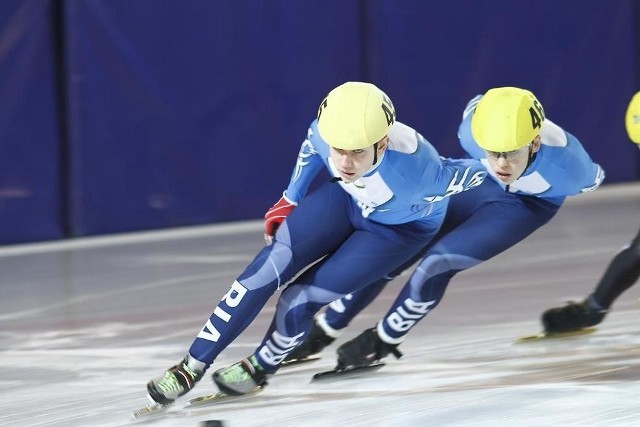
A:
598, 177
455, 176
308, 164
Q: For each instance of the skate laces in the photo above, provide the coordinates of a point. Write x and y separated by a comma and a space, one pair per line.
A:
193, 374
241, 372
170, 384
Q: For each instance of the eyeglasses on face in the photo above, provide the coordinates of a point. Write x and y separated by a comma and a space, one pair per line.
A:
510, 156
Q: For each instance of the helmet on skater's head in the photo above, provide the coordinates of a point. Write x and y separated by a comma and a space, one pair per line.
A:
632, 119
507, 119
355, 115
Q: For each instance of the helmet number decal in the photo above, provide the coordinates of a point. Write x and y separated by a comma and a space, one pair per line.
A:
323, 105
389, 111
537, 114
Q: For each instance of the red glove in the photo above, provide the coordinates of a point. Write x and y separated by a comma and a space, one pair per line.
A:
274, 217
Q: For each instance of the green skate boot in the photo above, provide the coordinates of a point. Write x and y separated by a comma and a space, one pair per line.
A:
243, 377
175, 382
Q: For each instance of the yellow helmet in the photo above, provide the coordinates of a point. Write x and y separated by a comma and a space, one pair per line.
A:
355, 115
506, 119
632, 119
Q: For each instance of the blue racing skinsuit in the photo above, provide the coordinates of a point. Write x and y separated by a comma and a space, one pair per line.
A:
479, 225
359, 231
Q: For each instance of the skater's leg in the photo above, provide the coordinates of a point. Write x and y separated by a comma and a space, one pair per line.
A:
328, 326
480, 226
299, 241
622, 272
367, 254
491, 229
370, 252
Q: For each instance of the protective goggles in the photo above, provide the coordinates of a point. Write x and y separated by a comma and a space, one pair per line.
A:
510, 156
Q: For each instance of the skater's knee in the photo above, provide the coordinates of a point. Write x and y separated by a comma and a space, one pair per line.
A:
442, 263
306, 297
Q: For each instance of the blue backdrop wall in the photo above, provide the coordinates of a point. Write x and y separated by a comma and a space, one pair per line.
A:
129, 115
31, 195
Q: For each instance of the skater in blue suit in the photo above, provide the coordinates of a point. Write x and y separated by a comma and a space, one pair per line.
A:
386, 200
534, 165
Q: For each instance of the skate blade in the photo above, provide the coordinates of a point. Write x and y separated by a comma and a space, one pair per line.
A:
219, 397
152, 409
294, 362
547, 336
344, 373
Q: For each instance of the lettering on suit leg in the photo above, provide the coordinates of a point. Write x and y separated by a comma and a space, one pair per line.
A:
408, 314
338, 305
278, 347
229, 301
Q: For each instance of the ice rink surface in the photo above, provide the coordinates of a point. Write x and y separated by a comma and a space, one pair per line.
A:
85, 324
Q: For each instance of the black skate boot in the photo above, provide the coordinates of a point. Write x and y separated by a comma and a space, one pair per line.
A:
176, 381
243, 377
312, 345
572, 317
365, 349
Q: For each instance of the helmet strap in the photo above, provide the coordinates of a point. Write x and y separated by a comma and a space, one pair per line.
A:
531, 159
375, 153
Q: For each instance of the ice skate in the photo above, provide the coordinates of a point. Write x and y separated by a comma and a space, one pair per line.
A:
241, 378
572, 317
365, 349
361, 355
309, 350
555, 335
341, 373
176, 381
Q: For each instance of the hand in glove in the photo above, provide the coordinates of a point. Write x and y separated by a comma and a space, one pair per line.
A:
275, 216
